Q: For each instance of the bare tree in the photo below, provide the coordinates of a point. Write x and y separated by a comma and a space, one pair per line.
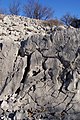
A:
67, 19
34, 9
14, 8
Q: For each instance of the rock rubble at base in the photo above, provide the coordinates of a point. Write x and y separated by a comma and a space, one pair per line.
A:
37, 64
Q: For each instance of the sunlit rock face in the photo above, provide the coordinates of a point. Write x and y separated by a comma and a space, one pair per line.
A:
39, 70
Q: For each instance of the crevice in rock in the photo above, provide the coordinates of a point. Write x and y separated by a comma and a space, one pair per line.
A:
5, 84
17, 91
68, 80
44, 68
1, 46
77, 52
25, 75
1, 102
21, 52
50, 72
34, 100
35, 73
65, 77
62, 76
27, 69
68, 104
51, 38
65, 63
44, 64
45, 56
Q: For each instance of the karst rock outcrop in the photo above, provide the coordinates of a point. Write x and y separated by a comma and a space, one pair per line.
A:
39, 70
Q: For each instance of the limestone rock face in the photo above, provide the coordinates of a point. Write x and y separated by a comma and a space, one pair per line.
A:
39, 70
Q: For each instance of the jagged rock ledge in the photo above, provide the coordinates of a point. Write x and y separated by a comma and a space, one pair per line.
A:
39, 70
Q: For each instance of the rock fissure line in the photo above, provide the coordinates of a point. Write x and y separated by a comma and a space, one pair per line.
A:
27, 69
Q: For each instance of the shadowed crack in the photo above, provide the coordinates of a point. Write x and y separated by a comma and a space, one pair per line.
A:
65, 63
1, 45
25, 75
44, 68
27, 69
77, 52
66, 78
17, 91
70, 101
35, 73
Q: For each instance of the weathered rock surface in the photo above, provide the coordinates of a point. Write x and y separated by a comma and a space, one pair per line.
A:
39, 70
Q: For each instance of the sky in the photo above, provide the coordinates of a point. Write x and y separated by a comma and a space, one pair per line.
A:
60, 7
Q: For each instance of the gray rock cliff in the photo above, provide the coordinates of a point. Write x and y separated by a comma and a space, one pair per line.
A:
39, 70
